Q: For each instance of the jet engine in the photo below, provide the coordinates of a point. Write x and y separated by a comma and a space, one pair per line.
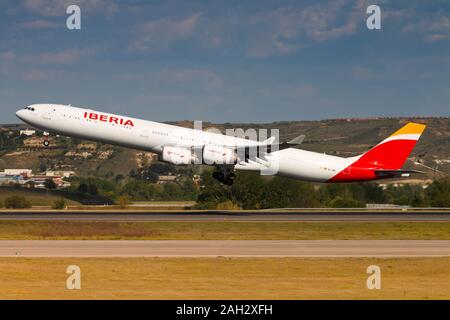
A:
177, 156
217, 155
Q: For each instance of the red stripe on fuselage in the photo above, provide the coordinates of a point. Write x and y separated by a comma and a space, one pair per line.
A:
390, 155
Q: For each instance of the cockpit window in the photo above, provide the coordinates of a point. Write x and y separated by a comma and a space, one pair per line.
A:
29, 108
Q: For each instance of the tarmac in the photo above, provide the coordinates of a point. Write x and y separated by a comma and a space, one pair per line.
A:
189, 215
224, 248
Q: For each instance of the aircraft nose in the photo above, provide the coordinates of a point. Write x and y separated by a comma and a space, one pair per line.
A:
20, 114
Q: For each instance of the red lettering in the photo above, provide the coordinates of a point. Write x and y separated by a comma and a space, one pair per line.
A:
129, 123
105, 118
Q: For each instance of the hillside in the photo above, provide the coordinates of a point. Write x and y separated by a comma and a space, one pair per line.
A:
346, 137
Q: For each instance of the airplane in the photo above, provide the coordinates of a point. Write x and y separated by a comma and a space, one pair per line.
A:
183, 146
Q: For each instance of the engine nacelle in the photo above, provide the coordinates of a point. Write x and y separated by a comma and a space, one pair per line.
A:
217, 155
177, 156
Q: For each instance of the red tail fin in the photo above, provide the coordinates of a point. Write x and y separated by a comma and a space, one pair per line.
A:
390, 154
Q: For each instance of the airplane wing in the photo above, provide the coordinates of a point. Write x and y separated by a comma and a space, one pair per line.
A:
262, 157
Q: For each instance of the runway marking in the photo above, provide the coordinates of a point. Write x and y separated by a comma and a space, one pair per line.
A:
225, 248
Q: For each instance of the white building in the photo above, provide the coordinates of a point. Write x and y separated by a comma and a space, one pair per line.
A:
27, 132
18, 172
64, 174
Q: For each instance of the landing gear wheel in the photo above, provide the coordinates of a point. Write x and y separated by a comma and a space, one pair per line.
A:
46, 143
228, 182
225, 175
218, 175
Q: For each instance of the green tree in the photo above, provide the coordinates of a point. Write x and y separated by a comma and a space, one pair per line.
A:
59, 204
50, 184
83, 188
347, 202
438, 193
123, 202
93, 189
212, 192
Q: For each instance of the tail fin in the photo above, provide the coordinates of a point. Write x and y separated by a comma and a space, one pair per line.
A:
392, 152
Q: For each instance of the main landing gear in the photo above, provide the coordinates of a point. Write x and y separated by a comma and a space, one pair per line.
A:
224, 174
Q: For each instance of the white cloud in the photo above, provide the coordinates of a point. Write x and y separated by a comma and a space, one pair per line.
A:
260, 34
189, 75
39, 24
41, 74
159, 35
433, 29
8, 55
68, 56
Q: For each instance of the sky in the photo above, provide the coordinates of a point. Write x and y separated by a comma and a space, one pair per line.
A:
227, 61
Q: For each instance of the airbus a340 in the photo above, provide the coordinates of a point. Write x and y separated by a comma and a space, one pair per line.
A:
183, 146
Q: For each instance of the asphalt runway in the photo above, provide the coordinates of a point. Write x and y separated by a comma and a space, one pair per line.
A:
225, 216
224, 248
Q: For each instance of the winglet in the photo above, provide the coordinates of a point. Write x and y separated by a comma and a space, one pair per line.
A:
298, 140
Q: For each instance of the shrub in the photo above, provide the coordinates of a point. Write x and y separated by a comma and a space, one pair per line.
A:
17, 202
123, 202
228, 205
59, 204
345, 202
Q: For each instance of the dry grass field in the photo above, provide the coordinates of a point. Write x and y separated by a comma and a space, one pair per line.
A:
225, 278
64, 230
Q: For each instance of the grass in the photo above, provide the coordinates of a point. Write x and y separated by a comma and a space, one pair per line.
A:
225, 278
64, 230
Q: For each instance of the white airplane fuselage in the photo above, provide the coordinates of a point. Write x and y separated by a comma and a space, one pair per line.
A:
155, 137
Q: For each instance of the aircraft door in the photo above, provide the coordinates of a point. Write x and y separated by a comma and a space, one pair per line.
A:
48, 114
145, 133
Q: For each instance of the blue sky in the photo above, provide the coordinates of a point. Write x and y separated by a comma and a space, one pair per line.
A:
228, 61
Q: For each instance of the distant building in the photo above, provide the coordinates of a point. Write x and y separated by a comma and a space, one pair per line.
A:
87, 146
35, 142
27, 132
104, 155
64, 174
18, 172
78, 155
11, 179
41, 180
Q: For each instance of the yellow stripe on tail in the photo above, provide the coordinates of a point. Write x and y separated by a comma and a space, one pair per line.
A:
410, 128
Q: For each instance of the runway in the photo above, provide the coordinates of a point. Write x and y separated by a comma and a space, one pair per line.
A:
227, 248
224, 216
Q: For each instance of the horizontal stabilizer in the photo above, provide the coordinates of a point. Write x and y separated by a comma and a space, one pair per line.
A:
291, 143
268, 142
298, 140
395, 173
